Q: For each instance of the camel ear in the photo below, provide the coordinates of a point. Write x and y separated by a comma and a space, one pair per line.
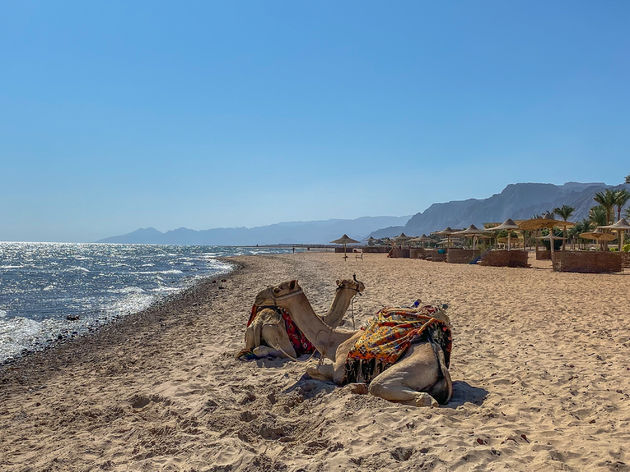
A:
292, 284
338, 283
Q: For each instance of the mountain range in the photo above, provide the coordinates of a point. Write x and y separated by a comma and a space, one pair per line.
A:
516, 201
313, 232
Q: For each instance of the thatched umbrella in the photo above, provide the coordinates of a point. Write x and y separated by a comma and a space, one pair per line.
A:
508, 225
402, 238
551, 238
547, 222
472, 231
598, 236
420, 239
621, 227
448, 231
345, 239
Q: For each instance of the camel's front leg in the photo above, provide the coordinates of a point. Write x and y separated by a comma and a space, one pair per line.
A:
321, 372
409, 380
276, 336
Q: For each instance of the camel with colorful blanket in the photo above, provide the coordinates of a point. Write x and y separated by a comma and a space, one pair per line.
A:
402, 355
271, 331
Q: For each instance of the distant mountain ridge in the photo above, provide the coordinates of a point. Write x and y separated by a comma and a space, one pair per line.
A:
516, 201
313, 232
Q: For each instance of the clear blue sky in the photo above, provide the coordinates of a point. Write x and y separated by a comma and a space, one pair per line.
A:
119, 115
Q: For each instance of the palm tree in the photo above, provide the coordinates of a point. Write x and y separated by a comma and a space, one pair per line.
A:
627, 214
628, 179
583, 226
607, 200
621, 197
564, 212
597, 215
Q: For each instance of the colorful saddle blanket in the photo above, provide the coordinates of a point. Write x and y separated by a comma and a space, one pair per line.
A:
388, 336
297, 338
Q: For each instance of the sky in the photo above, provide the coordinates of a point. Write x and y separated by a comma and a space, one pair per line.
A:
116, 115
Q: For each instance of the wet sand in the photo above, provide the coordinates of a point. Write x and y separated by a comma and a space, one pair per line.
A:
540, 369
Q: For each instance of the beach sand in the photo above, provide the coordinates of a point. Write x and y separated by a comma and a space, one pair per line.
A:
540, 369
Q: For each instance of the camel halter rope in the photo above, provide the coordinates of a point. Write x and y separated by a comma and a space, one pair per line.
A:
354, 276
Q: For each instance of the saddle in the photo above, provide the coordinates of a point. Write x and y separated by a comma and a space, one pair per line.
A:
388, 336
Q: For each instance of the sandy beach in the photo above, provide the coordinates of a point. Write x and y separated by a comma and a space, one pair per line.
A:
540, 370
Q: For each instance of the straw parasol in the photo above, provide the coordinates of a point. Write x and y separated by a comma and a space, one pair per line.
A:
448, 231
345, 239
471, 231
402, 238
550, 237
547, 222
598, 236
508, 225
620, 226
420, 239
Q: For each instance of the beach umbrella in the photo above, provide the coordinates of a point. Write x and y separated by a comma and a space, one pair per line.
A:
546, 222
473, 232
621, 227
402, 238
420, 239
598, 236
508, 225
550, 237
448, 231
345, 240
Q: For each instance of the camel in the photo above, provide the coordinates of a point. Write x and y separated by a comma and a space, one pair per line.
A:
266, 334
419, 378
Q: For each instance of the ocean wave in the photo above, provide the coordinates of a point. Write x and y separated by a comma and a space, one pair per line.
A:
73, 268
166, 289
131, 289
11, 266
148, 272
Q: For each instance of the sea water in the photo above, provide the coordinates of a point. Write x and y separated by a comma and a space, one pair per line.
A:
51, 291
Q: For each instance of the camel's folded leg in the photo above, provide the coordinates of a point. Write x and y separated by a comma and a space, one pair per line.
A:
409, 380
266, 351
252, 335
276, 336
321, 372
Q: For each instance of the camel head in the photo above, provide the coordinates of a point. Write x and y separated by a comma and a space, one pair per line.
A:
272, 295
353, 284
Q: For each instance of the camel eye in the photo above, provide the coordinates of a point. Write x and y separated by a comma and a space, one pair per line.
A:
276, 291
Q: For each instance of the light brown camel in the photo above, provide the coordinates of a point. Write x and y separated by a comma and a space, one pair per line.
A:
266, 335
419, 378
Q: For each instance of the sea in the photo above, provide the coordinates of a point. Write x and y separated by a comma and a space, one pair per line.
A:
55, 291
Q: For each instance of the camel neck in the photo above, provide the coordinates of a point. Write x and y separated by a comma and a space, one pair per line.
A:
322, 336
339, 306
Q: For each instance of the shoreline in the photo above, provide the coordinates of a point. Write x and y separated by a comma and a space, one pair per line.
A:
118, 323
539, 371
